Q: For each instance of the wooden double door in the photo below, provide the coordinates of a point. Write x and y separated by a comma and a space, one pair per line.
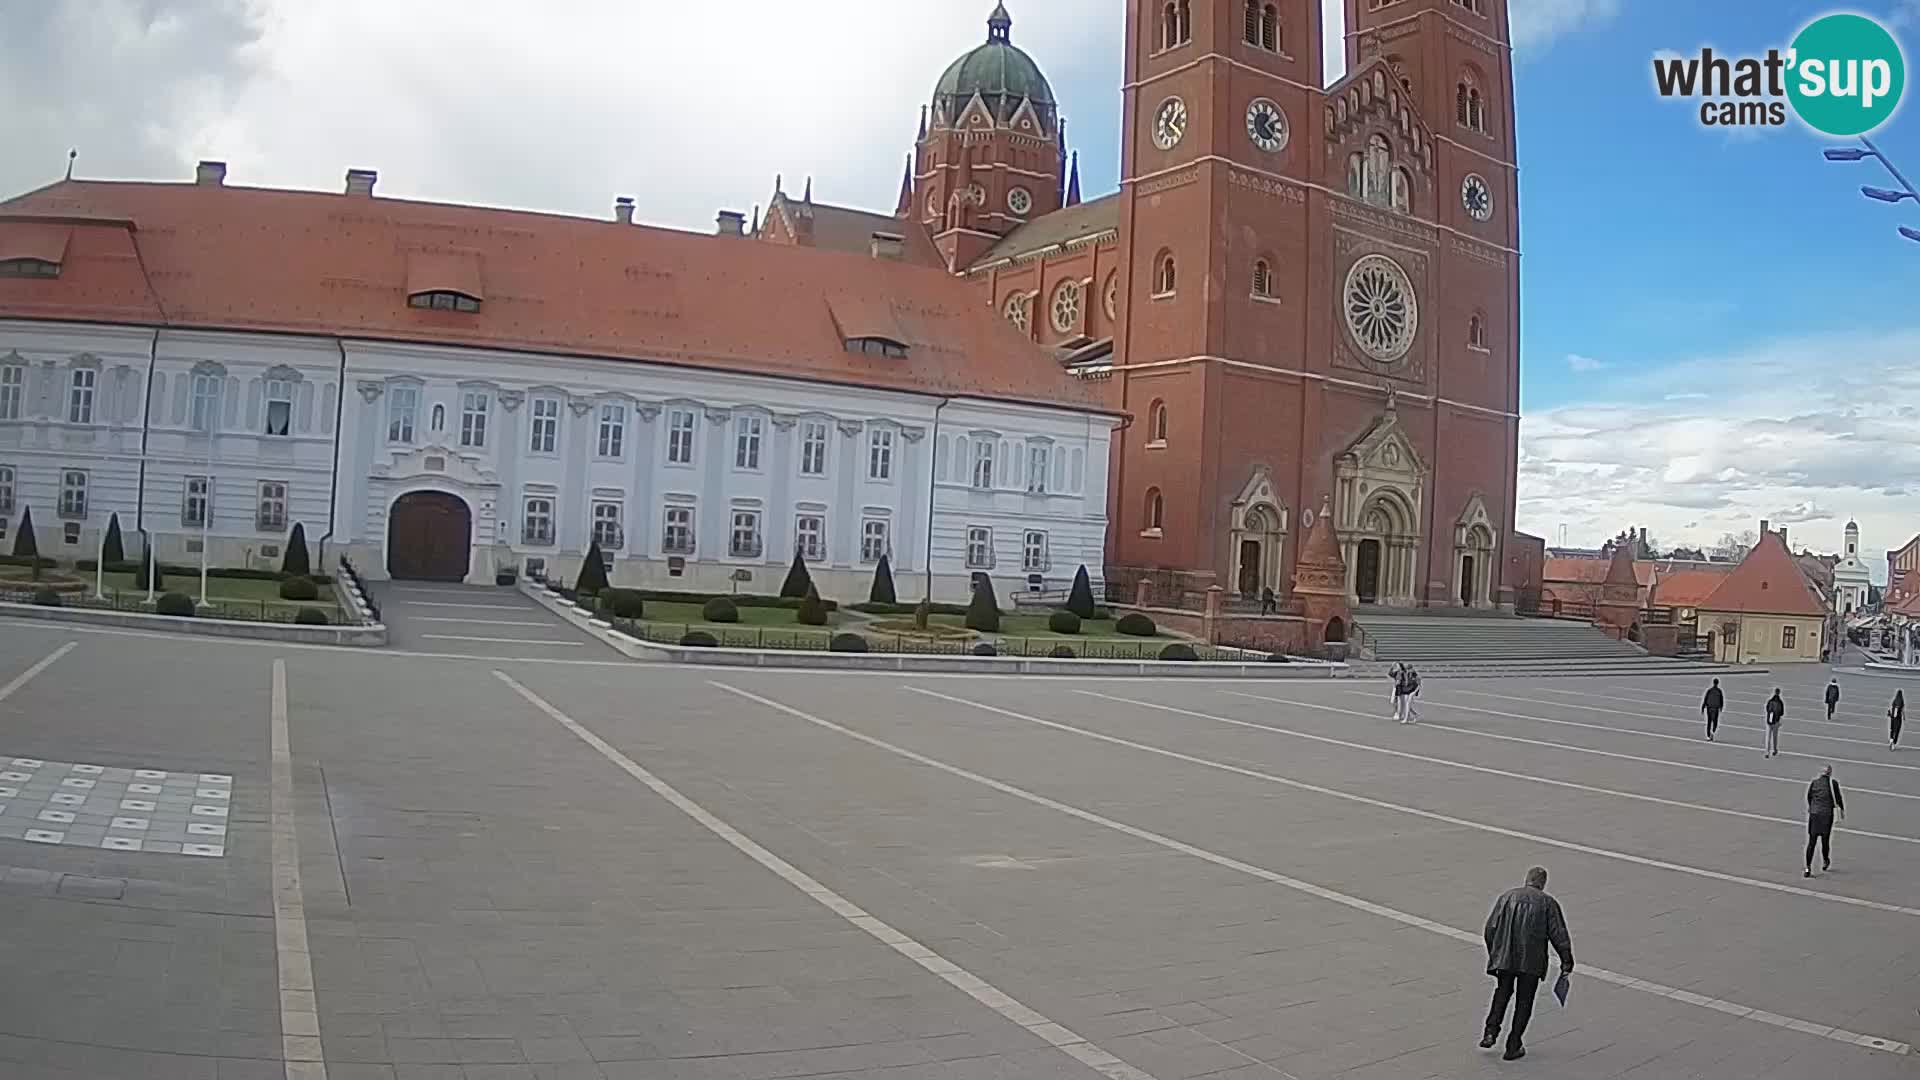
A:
429, 537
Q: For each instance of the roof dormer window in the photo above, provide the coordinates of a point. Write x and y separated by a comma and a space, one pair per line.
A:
877, 346
29, 268
444, 300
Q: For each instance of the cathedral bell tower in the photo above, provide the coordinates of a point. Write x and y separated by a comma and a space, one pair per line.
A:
991, 153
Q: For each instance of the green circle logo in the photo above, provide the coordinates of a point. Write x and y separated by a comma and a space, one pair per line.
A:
1847, 75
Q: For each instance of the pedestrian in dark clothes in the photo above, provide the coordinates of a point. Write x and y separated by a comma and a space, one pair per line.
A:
1833, 696
1896, 713
1776, 712
1711, 705
1524, 921
1823, 802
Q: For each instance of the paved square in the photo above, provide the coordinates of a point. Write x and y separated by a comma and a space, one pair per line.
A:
146, 810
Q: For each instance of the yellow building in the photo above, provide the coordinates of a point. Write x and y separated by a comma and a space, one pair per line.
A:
1765, 612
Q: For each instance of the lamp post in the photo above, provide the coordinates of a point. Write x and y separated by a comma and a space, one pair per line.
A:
1906, 191
206, 511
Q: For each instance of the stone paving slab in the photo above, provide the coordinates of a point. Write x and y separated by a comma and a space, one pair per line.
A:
120, 809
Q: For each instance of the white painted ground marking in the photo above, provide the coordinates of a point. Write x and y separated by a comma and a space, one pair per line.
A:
1570, 747
26, 676
1788, 735
1815, 714
1307, 887
470, 607
1797, 823
477, 620
299, 1015
959, 978
1569, 845
503, 640
1814, 704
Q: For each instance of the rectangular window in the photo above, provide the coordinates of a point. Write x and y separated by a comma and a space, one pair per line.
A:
272, 514
873, 540
6, 489
606, 526
403, 411
73, 493
80, 402
613, 430
813, 448
537, 523
279, 407
678, 539
474, 407
1039, 463
746, 443
71, 533
880, 454
13, 381
745, 540
810, 537
3, 528
983, 463
1788, 636
206, 402
546, 425
1033, 552
680, 437
195, 503
979, 548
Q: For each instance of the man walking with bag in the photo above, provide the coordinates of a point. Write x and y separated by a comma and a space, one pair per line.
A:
1823, 802
1833, 696
1776, 712
1524, 921
1711, 705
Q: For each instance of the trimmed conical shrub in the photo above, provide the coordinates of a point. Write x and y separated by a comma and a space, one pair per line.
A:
114, 550
295, 563
882, 591
24, 544
798, 580
593, 572
983, 611
1080, 600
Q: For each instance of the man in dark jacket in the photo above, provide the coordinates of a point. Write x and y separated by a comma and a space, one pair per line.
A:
1776, 712
1833, 696
1823, 801
1711, 705
1523, 923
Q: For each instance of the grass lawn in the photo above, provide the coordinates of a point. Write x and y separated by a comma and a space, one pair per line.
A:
219, 590
752, 619
1035, 626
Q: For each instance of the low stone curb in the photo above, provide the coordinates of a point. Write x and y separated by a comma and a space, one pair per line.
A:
633, 647
372, 636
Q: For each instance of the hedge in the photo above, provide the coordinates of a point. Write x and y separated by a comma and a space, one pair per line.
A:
299, 588
1062, 652
623, 603
666, 596
236, 573
46, 598
720, 610
699, 639
1134, 624
1179, 650
847, 643
22, 560
871, 608
178, 605
985, 648
310, 616
812, 611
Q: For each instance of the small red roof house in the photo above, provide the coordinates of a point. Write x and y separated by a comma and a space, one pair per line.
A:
1765, 611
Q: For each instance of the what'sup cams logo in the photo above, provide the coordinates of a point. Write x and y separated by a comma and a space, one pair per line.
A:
1843, 76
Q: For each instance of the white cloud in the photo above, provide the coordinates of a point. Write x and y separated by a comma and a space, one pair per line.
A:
1781, 431
1585, 364
1536, 23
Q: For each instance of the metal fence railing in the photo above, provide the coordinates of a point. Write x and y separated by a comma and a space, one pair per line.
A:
811, 640
268, 611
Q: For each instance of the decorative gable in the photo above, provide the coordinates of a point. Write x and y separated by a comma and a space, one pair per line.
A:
439, 463
976, 116
1370, 101
1474, 517
1385, 450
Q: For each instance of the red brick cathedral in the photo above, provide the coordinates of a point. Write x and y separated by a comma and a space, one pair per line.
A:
1306, 299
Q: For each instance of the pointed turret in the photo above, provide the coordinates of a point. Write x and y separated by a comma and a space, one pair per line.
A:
1073, 181
904, 206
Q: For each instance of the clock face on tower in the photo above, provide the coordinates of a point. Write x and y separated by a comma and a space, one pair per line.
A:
1476, 197
1170, 123
1267, 126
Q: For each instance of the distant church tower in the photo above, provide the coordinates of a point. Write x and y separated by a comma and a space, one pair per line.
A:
1852, 581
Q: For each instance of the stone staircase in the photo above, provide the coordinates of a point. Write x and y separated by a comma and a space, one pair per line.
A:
1483, 645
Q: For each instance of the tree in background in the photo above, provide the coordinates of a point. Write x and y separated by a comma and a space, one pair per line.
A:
798, 580
295, 563
1080, 598
1734, 546
25, 546
882, 591
593, 572
113, 550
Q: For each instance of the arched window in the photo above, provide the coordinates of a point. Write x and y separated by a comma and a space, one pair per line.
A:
1477, 331
1462, 115
1157, 422
1176, 23
1253, 22
1402, 191
1156, 510
1270, 29
1469, 108
1164, 277
439, 418
1262, 278
1476, 111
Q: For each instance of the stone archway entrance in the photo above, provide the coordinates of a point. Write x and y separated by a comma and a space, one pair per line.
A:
1258, 534
1379, 482
429, 537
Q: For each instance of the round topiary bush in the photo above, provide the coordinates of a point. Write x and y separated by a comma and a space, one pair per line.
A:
985, 648
178, 605
699, 639
1062, 652
847, 643
622, 603
44, 597
299, 588
1179, 651
812, 612
720, 610
1135, 624
1278, 658
310, 616
1063, 622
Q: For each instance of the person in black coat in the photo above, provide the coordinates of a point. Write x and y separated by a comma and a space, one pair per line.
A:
1823, 801
1776, 712
1711, 705
1524, 921
1833, 696
1896, 713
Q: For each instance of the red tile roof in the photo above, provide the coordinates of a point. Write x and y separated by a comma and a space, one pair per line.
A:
23, 240
1590, 571
218, 257
456, 272
1687, 588
1767, 582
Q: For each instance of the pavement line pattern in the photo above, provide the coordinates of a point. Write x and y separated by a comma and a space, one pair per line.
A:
80, 804
1743, 708
549, 642
26, 676
470, 607
1571, 748
1731, 1008
299, 1013
1059, 1037
476, 621
1569, 845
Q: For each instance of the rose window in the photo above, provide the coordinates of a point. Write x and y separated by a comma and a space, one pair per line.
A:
1066, 306
1017, 307
1382, 314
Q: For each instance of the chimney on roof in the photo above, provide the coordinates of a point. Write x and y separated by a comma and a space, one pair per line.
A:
210, 173
623, 209
731, 223
889, 246
1765, 526
360, 181
1643, 542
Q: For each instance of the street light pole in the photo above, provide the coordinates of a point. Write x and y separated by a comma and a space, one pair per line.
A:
1878, 194
206, 514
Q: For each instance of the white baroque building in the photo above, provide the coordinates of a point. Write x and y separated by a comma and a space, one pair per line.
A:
1852, 580
442, 392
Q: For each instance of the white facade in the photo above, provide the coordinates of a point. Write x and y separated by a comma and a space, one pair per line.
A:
689, 477
1852, 581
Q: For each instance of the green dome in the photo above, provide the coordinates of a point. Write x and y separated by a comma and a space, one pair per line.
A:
999, 72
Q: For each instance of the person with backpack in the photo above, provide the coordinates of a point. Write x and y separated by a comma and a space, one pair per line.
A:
1896, 713
1398, 674
1413, 694
1776, 712
1711, 706
1833, 697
